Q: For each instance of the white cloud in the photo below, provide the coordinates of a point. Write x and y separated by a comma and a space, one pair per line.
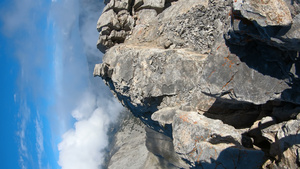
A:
83, 146
86, 107
78, 94
22, 163
24, 115
39, 139
70, 64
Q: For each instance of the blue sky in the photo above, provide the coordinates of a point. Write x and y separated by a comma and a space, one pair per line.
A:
54, 114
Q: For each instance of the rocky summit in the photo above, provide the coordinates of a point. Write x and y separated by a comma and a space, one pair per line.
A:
216, 82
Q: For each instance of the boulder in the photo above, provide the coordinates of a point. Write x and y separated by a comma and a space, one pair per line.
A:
265, 12
210, 143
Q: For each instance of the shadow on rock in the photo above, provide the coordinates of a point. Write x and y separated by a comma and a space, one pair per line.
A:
270, 51
234, 158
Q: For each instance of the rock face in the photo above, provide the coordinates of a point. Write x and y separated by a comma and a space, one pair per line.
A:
135, 146
219, 78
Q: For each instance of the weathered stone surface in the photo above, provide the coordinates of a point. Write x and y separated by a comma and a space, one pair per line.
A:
134, 145
265, 12
287, 145
263, 130
285, 37
148, 76
268, 127
283, 139
161, 145
235, 63
108, 19
146, 16
182, 7
223, 74
128, 148
165, 115
117, 5
294, 32
291, 36
153, 4
210, 143
294, 7
114, 24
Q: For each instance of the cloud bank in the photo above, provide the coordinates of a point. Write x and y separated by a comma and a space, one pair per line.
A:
80, 96
82, 147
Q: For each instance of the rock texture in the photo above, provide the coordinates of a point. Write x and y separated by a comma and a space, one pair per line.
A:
211, 146
220, 78
136, 146
265, 12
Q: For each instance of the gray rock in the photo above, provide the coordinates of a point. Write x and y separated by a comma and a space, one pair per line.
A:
146, 16
121, 4
210, 143
265, 12
283, 37
114, 24
165, 115
290, 36
134, 75
236, 63
294, 32
284, 140
223, 75
158, 5
117, 5
287, 145
182, 7
268, 128
117, 35
134, 146
108, 19
294, 7
128, 148
161, 145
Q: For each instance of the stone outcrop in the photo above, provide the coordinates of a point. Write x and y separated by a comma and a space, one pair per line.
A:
219, 78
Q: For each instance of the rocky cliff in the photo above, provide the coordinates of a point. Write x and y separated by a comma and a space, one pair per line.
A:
219, 78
